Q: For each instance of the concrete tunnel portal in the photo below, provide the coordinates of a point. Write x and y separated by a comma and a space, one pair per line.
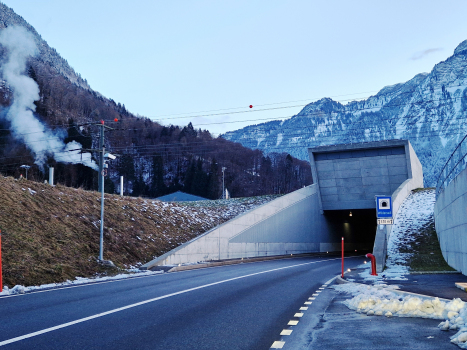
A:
315, 218
357, 226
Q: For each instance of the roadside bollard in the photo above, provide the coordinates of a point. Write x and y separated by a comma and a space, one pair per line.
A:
373, 264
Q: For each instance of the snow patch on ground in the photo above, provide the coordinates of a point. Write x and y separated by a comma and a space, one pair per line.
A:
381, 300
19, 289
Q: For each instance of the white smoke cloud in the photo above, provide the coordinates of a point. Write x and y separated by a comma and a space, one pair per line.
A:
19, 45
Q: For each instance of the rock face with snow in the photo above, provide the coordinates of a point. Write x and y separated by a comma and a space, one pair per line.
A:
429, 110
47, 54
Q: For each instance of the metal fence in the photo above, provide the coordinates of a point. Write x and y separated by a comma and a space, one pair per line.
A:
454, 165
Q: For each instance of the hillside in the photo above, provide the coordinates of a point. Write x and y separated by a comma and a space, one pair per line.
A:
51, 234
429, 110
51, 117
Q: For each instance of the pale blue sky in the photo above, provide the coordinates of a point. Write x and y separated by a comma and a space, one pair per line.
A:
169, 57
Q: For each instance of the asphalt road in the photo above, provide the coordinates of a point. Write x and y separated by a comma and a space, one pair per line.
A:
231, 307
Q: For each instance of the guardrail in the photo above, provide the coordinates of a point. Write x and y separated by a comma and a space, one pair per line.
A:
454, 165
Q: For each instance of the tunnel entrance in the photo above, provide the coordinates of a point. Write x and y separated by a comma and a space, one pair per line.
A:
357, 226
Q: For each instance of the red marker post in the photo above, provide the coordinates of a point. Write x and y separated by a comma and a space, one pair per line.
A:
1, 282
342, 257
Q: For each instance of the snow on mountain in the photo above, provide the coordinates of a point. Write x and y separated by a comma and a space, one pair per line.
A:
429, 110
47, 54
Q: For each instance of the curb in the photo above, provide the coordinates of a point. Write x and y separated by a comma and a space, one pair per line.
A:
340, 280
233, 262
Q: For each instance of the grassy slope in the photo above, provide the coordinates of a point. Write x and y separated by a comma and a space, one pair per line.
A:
52, 234
423, 247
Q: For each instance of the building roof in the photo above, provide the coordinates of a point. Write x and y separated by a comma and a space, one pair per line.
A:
180, 196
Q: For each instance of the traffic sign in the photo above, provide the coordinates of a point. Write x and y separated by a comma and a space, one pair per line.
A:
383, 207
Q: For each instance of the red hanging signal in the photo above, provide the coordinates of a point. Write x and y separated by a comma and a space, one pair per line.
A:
251, 106
116, 120
102, 122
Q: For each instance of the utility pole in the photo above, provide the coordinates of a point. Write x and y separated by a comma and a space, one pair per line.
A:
101, 189
102, 171
223, 190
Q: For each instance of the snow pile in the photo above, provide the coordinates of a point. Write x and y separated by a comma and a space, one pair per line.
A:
19, 289
382, 301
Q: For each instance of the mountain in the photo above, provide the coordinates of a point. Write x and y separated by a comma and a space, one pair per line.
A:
47, 54
429, 110
51, 117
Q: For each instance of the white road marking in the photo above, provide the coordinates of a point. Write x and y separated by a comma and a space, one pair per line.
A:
278, 345
292, 323
330, 281
298, 314
303, 308
308, 302
311, 298
64, 325
286, 332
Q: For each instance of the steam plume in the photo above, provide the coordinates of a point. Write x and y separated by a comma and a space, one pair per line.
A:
19, 45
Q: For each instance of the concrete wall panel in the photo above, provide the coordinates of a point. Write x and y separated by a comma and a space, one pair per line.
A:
398, 170
291, 224
375, 180
451, 222
376, 172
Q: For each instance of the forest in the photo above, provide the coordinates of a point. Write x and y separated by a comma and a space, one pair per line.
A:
153, 159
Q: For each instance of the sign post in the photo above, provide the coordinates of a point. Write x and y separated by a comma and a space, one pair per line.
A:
384, 210
342, 248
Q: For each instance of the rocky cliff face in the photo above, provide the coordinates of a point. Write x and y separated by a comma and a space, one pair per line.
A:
429, 110
47, 55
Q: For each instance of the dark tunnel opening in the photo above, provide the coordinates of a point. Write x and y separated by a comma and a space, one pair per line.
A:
357, 226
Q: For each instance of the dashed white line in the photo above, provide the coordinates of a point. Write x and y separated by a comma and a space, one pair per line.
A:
292, 323
286, 332
278, 345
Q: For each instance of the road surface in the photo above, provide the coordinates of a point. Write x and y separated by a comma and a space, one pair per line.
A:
231, 307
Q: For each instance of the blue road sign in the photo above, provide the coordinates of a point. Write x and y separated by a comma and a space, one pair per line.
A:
383, 207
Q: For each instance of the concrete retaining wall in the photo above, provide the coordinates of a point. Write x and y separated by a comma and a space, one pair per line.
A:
451, 222
291, 224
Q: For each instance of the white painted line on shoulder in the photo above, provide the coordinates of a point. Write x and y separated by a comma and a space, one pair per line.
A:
92, 317
278, 345
298, 314
303, 308
292, 323
286, 332
330, 281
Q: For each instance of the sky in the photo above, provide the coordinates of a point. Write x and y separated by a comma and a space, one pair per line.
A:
206, 62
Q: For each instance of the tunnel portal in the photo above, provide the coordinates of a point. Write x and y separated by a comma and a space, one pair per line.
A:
357, 226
